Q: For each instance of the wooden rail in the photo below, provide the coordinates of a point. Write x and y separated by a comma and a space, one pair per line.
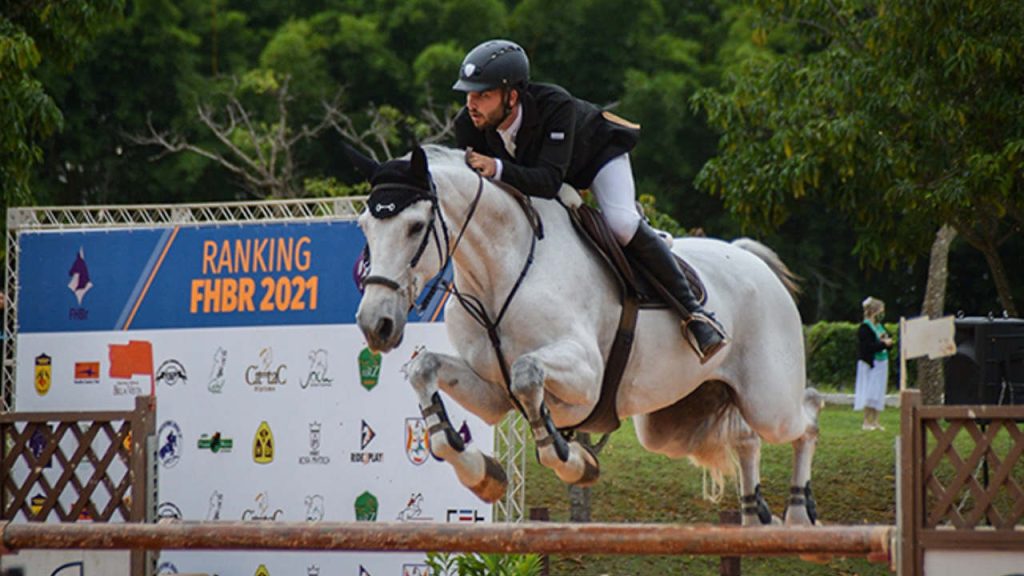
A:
543, 538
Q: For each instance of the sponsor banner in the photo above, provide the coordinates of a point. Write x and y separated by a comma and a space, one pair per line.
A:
198, 276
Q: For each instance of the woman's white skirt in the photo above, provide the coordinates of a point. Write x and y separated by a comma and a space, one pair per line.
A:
869, 389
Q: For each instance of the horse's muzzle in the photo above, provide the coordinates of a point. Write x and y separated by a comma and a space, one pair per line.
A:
383, 332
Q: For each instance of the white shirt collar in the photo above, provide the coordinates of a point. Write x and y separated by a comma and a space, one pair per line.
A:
509, 136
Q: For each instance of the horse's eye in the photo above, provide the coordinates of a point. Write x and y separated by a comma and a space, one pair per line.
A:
416, 228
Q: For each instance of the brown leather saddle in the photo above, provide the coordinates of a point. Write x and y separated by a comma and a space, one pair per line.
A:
637, 289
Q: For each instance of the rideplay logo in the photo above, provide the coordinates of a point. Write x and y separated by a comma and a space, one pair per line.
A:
369, 368
79, 284
367, 435
314, 456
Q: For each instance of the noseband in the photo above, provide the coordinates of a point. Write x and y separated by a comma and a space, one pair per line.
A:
436, 215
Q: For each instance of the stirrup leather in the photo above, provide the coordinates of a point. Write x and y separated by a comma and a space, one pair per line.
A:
691, 339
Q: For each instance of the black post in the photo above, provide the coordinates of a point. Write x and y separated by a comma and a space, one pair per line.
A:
730, 565
540, 514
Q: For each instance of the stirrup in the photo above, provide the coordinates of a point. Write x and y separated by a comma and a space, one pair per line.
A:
691, 339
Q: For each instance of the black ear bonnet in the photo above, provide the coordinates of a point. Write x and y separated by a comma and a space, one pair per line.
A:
399, 183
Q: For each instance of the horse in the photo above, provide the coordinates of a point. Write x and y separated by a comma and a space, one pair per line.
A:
533, 319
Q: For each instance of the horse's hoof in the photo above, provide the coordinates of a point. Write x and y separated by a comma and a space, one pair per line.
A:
492, 487
591, 469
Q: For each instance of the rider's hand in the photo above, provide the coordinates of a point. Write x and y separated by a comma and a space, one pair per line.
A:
483, 165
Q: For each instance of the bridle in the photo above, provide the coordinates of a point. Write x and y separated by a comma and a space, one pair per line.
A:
471, 304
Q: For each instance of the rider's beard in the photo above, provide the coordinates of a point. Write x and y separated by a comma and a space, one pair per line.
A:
484, 121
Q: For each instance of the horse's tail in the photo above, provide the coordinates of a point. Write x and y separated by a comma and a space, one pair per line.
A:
790, 280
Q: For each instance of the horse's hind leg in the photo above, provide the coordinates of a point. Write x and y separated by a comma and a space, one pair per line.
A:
477, 471
801, 509
574, 383
754, 507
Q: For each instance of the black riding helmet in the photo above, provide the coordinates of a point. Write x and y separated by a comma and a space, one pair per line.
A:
493, 64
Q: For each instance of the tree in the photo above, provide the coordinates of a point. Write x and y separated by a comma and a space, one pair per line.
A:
903, 116
31, 33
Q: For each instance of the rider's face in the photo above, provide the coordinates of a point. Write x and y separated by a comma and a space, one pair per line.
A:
485, 108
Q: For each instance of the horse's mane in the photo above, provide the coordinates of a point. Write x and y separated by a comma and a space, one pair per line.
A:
445, 155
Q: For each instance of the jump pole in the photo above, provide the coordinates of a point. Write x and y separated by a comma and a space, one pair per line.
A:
543, 538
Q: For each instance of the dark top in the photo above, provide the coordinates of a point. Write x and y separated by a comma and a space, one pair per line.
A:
561, 139
868, 344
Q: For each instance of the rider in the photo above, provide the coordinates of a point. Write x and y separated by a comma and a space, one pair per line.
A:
536, 136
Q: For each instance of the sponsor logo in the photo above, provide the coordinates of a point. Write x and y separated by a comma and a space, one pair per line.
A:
128, 361
262, 571
166, 568
38, 442
263, 444
168, 510
361, 269
264, 376
216, 501
364, 457
79, 283
171, 372
36, 504
314, 508
369, 368
366, 507
317, 376
314, 456
415, 570
417, 440
466, 515
69, 569
313, 570
170, 443
215, 443
87, 372
363, 571
413, 510
262, 510
216, 383
43, 374
127, 442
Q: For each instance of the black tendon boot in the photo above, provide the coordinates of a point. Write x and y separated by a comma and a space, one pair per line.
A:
700, 330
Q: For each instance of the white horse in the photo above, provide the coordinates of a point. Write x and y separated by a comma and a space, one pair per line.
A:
556, 319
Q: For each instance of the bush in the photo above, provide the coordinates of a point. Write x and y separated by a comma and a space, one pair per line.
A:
832, 355
484, 564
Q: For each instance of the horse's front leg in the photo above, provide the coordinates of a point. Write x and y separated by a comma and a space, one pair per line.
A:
568, 372
430, 372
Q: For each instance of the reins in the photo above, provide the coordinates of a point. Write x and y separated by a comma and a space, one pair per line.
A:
470, 303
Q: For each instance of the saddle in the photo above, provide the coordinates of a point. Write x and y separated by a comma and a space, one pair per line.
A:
637, 290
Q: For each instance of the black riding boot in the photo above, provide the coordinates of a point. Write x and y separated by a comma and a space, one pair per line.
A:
706, 336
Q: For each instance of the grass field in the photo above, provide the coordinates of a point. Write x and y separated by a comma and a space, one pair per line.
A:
853, 481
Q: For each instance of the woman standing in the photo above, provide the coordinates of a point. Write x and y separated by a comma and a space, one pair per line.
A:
873, 344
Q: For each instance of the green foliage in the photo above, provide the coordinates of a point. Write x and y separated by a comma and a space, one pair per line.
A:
483, 564
902, 116
831, 349
33, 33
332, 188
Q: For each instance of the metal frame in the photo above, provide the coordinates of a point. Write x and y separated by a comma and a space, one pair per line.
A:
509, 436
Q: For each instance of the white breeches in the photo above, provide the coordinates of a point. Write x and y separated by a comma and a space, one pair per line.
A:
615, 192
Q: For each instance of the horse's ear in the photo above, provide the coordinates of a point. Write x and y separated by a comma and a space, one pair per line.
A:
419, 163
364, 164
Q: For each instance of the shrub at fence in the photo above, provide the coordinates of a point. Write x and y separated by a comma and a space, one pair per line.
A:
832, 355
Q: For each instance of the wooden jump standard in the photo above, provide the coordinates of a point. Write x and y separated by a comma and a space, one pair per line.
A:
543, 538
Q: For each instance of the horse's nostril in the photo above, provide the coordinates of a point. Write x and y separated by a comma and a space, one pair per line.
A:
384, 328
